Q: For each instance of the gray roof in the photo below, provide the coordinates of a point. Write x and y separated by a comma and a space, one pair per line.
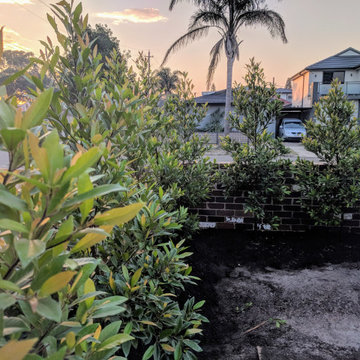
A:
215, 97
338, 61
218, 98
283, 91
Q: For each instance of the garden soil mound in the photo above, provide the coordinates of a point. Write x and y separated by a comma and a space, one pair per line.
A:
310, 281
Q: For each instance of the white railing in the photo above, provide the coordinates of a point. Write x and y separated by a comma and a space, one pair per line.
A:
349, 88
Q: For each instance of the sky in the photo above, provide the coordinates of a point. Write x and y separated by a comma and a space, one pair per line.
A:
315, 29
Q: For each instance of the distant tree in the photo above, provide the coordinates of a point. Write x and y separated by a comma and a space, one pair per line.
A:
11, 62
213, 87
227, 17
288, 84
168, 80
104, 39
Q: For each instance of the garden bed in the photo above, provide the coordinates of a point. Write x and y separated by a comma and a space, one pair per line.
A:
312, 281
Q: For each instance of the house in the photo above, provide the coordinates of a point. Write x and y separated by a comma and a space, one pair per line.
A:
215, 101
315, 80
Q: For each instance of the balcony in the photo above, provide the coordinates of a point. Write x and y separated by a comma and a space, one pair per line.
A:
349, 88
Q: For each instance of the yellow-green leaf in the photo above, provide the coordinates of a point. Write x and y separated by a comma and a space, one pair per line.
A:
89, 287
83, 163
85, 185
167, 347
56, 283
16, 350
70, 340
90, 240
135, 278
39, 154
118, 216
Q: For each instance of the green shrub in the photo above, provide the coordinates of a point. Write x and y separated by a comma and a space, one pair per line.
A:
49, 304
257, 169
334, 137
111, 108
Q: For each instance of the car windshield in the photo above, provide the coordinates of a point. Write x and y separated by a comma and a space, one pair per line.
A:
293, 124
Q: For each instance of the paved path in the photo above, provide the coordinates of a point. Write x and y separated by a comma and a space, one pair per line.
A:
297, 150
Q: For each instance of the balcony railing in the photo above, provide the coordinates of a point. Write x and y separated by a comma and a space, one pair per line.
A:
349, 88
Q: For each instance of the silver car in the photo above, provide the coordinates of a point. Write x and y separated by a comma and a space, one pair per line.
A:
292, 129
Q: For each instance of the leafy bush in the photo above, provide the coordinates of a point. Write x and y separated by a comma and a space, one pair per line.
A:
257, 168
334, 137
107, 106
49, 304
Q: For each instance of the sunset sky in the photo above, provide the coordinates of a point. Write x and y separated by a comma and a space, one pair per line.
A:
315, 29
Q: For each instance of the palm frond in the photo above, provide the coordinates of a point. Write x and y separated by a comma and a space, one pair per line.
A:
271, 19
215, 55
190, 36
207, 17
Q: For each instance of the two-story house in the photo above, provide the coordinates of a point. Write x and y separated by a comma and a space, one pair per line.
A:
315, 81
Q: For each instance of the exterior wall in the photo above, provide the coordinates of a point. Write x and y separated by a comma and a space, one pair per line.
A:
297, 88
302, 94
353, 75
221, 212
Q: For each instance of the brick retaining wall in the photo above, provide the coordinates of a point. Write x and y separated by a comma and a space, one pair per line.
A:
223, 212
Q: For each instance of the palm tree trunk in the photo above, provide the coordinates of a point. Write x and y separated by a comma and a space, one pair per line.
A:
230, 63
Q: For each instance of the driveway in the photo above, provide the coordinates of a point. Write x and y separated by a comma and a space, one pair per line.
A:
296, 150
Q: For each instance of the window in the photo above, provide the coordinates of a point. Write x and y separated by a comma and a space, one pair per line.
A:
329, 76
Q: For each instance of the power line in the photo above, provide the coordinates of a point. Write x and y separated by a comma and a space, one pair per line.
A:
31, 12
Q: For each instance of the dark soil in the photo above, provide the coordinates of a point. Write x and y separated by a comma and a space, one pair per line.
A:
312, 281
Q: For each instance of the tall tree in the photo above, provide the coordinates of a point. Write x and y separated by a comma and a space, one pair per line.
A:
168, 80
227, 17
11, 62
104, 39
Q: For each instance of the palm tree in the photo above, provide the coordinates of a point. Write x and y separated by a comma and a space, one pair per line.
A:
227, 17
168, 80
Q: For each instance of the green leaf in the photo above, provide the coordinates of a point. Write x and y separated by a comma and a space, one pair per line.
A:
49, 308
108, 311
13, 77
94, 193
7, 115
16, 350
11, 200
193, 331
12, 137
6, 300
115, 340
110, 330
7, 224
38, 109
119, 216
54, 151
64, 232
148, 353
56, 283
135, 278
27, 250
199, 305
87, 296
192, 345
85, 161
178, 351
8, 285
13, 325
